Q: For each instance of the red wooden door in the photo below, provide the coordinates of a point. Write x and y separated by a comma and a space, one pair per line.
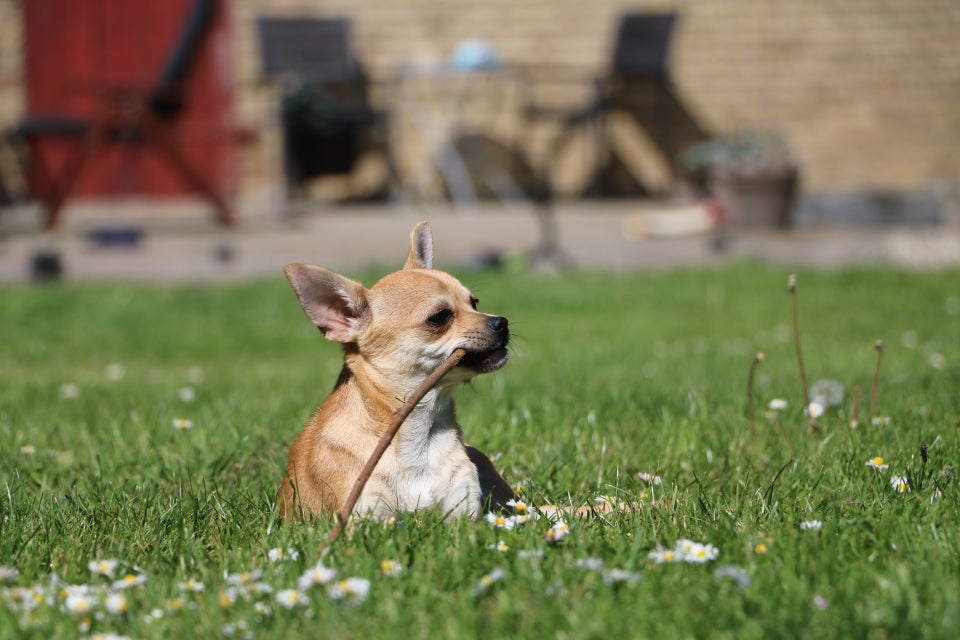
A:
75, 48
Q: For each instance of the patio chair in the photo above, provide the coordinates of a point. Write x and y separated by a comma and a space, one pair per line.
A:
327, 121
638, 83
129, 116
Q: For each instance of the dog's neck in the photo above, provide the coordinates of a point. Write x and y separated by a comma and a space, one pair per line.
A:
380, 400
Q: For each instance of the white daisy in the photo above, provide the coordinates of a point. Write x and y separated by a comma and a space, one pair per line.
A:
80, 603
116, 603
130, 580
777, 404
877, 463
811, 525
244, 578
899, 483
649, 478
557, 532
500, 546
192, 585
290, 598
391, 568
661, 555
814, 410
488, 580
182, 423
318, 574
353, 589
276, 555
614, 576
500, 521
104, 567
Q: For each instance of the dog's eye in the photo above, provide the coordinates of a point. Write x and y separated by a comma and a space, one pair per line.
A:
474, 302
440, 318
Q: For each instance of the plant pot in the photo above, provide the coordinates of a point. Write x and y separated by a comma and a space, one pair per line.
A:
756, 196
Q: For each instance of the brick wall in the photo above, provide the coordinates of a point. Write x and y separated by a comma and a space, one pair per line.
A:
866, 91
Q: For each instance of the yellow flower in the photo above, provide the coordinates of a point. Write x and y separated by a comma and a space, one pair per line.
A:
760, 548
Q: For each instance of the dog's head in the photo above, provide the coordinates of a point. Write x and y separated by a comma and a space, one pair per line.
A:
409, 322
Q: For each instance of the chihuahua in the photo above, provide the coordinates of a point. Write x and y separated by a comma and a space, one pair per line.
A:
394, 334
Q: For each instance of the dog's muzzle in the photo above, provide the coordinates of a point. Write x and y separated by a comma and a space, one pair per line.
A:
494, 357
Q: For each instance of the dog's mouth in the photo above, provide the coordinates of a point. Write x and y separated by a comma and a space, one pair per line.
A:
485, 361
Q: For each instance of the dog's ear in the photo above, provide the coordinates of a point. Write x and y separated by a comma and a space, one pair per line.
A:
337, 305
421, 248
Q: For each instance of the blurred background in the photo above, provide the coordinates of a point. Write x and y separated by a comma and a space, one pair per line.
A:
685, 118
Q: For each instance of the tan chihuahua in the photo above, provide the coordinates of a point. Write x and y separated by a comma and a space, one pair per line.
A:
394, 334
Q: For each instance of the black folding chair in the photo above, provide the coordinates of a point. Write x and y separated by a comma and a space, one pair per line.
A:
327, 119
639, 84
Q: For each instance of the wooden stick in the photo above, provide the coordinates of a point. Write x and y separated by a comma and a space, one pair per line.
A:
344, 514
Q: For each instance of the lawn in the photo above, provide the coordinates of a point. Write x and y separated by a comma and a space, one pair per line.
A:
150, 425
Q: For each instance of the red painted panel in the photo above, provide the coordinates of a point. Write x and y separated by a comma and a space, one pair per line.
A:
76, 47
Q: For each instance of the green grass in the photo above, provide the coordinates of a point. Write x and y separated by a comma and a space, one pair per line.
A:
610, 376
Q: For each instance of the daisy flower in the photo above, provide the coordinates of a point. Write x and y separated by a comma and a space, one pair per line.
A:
28, 449
519, 506
610, 500
290, 598
811, 525
244, 578
591, 564
182, 423
500, 546
192, 585
701, 553
614, 576
489, 580
777, 404
498, 520
8, 574
735, 573
877, 463
130, 580
661, 555
899, 483
814, 410
879, 421
69, 391
276, 555
316, 575
116, 603
353, 589
79, 603
649, 478
115, 371
391, 568
104, 567
262, 609
557, 532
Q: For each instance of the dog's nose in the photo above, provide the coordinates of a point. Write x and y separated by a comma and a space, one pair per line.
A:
498, 324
